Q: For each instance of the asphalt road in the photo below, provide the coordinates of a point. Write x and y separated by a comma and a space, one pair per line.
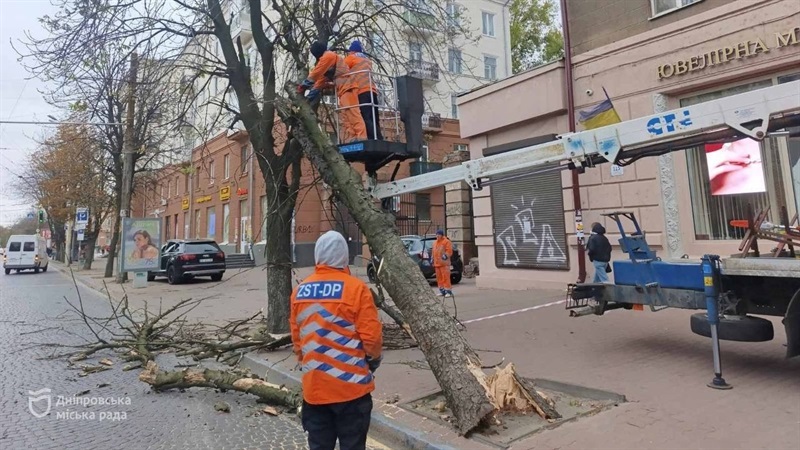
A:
33, 311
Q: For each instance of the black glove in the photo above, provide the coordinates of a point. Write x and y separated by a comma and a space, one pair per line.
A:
373, 364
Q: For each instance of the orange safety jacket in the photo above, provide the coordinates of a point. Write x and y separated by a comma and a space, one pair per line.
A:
441, 247
335, 326
327, 61
361, 72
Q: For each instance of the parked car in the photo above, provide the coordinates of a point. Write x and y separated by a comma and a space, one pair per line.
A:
25, 252
420, 249
182, 259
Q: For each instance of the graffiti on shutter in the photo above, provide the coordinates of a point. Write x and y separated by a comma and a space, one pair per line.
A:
529, 223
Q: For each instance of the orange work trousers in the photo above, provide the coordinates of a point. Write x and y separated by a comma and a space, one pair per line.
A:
350, 119
443, 277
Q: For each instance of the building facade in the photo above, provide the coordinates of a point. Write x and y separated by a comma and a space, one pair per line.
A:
221, 195
649, 56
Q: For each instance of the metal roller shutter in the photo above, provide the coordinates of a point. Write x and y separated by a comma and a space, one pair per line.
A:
529, 227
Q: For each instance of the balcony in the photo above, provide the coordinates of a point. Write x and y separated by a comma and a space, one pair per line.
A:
240, 22
427, 71
432, 122
422, 167
417, 21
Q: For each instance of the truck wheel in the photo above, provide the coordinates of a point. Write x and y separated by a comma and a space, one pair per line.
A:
8, 271
44, 269
151, 276
172, 275
216, 277
455, 278
735, 328
35, 270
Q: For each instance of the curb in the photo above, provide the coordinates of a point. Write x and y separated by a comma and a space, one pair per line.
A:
380, 424
59, 266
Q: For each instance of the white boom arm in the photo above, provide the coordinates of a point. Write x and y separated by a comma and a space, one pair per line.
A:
747, 114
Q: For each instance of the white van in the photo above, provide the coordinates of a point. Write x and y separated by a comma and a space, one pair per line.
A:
25, 251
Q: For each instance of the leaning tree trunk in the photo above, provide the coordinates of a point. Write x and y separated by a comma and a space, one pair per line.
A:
454, 363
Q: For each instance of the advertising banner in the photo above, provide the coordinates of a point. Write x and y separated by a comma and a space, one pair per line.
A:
141, 244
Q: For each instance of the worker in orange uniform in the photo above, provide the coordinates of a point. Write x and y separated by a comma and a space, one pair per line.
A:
338, 339
368, 98
331, 67
442, 252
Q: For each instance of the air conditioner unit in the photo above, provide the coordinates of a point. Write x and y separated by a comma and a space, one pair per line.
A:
163, 202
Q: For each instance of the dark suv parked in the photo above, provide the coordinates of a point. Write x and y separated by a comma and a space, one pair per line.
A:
420, 249
182, 259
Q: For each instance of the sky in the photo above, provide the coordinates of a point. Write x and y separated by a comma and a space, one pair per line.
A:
19, 100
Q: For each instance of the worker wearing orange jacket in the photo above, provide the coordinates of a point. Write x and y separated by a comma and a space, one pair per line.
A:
442, 252
338, 339
331, 67
368, 97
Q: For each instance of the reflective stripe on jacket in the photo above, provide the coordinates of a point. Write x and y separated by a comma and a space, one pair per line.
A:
441, 247
327, 61
334, 326
361, 70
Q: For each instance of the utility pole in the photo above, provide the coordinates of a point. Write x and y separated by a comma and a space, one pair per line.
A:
127, 156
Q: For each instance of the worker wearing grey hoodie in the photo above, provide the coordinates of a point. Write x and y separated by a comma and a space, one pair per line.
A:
599, 250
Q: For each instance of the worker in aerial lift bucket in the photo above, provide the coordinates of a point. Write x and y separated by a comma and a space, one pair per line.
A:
442, 252
331, 67
361, 75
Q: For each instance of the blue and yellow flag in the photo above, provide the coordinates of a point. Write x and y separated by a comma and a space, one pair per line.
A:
600, 115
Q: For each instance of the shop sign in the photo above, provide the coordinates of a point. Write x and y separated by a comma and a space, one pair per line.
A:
724, 55
185, 204
225, 193
205, 198
241, 192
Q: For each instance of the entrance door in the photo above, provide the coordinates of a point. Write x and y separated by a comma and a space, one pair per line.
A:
244, 227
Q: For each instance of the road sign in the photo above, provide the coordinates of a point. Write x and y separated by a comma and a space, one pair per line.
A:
80, 235
31, 215
82, 215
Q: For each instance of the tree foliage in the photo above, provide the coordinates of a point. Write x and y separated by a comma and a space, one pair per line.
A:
536, 37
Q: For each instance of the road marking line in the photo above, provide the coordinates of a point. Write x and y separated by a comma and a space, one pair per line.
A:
514, 312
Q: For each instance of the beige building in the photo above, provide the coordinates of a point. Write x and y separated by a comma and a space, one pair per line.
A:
650, 56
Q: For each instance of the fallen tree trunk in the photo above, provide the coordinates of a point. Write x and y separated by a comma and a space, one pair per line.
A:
182, 379
455, 365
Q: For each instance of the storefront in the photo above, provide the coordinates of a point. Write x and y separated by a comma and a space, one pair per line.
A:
685, 206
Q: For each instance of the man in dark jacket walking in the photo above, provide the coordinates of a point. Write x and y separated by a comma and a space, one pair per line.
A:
599, 252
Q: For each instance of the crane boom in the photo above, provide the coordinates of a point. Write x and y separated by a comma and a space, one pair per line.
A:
752, 114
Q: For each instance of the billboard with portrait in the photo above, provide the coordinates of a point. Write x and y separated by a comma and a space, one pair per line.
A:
735, 167
141, 244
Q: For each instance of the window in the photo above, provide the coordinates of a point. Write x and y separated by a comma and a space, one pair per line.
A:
454, 60
162, 191
263, 236
662, 6
453, 14
211, 172
169, 189
376, 44
415, 51
454, 105
488, 23
186, 225
423, 206
226, 166
461, 147
211, 215
490, 67
177, 186
244, 156
167, 226
196, 175
425, 152
14, 246
712, 214
28, 247
201, 247
226, 222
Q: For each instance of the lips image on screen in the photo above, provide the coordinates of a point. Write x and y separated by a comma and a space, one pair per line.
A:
735, 167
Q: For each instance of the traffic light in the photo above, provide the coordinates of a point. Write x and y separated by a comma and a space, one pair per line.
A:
41, 216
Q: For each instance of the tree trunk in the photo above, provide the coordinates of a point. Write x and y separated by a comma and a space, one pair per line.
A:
454, 363
280, 204
91, 240
112, 251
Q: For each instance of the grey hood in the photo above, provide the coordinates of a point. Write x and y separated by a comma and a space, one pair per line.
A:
331, 250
